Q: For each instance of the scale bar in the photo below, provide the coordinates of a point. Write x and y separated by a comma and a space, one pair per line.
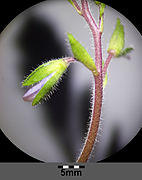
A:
71, 166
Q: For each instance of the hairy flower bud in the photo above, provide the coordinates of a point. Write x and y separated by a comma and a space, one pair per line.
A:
43, 80
116, 43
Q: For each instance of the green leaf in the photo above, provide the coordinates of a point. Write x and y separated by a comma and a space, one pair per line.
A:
102, 7
81, 54
97, 3
102, 25
105, 78
125, 51
101, 10
116, 43
70, 1
44, 70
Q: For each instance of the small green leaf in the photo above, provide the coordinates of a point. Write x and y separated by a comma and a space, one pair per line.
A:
81, 54
70, 1
102, 25
44, 70
125, 51
116, 43
105, 78
102, 7
101, 10
97, 3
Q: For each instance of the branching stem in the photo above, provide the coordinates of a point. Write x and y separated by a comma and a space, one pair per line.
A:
106, 64
95, 31
76, 5
94, 124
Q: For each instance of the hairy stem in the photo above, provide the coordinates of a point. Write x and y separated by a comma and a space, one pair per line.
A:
95, 31
88, 17
76, 5
94, 124
106, 64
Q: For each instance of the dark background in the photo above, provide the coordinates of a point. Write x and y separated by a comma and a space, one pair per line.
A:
9, 152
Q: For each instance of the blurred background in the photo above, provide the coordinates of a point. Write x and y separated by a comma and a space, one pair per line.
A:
55, 130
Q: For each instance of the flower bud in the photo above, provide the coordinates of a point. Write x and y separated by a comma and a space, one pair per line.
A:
116, 43
43, 79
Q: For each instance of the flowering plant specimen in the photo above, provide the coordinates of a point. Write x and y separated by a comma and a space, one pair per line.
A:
43, 79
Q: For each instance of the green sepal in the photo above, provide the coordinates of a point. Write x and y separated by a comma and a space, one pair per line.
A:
44, 70
49, 85
81, 54
105, 78
125, 51
116, 43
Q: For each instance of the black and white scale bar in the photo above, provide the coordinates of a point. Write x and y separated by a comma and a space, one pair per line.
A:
71, 166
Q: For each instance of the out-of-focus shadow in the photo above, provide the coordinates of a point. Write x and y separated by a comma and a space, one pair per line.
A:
38, 42
130, 153
114, 146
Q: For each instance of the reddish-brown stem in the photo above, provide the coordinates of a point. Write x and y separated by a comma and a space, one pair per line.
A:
94, 124
99, 19
69, 59
76, 5
106, 64
98, 51
99, 22
96, 33
88, 17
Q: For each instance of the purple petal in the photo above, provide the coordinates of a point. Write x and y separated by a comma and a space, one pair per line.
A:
32, 92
